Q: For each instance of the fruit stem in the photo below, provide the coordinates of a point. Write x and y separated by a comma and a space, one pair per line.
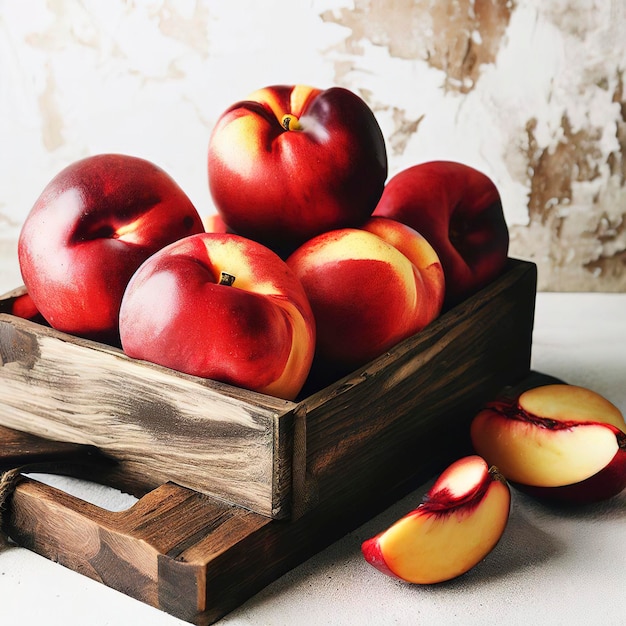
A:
290, 122
226, 279
496, 474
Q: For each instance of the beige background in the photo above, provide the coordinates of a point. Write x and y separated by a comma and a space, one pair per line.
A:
529, 91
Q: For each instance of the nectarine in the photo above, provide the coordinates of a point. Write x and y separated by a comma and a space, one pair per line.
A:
369, 288
224, 307
89, 230
459, 210
291, 161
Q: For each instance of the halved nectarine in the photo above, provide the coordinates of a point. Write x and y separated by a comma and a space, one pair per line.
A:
560, 442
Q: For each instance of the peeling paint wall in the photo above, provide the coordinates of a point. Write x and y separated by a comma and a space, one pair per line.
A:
529, 91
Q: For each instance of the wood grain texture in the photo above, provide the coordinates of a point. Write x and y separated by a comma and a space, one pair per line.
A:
169, 550
185, 553
259, 452
23, 450
159, 425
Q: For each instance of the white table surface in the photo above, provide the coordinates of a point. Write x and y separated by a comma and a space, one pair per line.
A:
551, 567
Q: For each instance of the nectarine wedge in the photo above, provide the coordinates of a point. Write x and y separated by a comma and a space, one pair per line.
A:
459, 521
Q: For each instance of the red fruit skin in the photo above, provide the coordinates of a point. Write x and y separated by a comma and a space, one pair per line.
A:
374, 556
176, 313
282, 187
24, 307
359, 295
459, 211
89, 230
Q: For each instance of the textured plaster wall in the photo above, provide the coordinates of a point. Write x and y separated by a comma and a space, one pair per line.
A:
529, 91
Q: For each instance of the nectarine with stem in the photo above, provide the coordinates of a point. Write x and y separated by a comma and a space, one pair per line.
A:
220, 306
290, 162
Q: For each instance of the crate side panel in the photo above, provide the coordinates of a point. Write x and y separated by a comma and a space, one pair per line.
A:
411, 409
157, 426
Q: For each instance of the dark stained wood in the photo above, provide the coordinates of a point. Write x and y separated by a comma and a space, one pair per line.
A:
335, 457
30, 452
423, 390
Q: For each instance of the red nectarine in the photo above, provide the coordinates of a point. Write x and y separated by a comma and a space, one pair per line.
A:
459, 211
290, 162
224, 307
89, 230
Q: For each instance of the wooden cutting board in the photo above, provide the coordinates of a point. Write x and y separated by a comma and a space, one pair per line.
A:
183, 552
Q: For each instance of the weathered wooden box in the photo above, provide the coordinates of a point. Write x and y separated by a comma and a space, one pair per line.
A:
230, 478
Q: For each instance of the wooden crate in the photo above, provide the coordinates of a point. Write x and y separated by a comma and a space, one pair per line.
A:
237, 487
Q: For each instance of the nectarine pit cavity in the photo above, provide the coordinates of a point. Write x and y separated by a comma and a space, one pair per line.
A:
510, 409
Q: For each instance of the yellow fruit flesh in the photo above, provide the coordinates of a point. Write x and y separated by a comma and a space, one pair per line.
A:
536, 456
425, 547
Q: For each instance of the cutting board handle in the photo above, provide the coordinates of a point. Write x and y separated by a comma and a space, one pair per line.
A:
21, 451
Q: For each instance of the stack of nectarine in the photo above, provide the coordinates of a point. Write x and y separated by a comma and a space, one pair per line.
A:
329, 263
303, 171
